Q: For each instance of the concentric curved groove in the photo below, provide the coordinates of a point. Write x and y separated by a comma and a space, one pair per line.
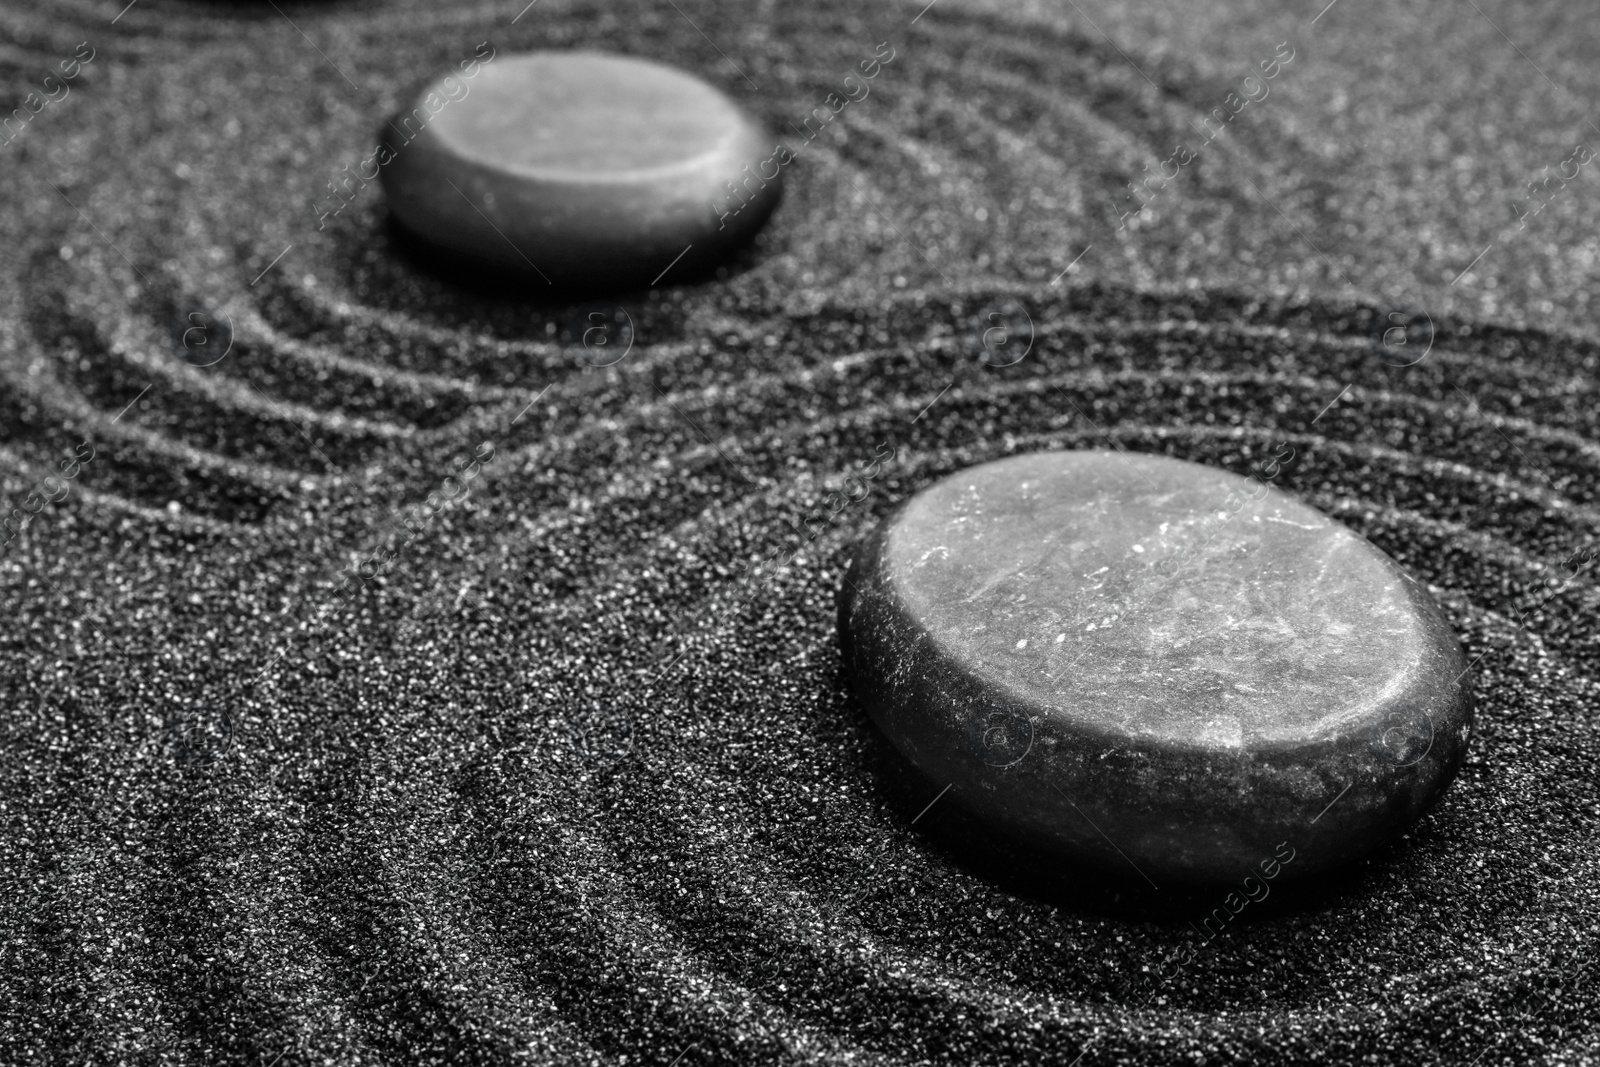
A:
1522, 424
339, 313
171, 471
1220, 314
325, 356
625, 925
1437, 469
417, 985
91, 503
176, 454
480, 355
632, 930
268, 938
237, 399
1352, 343
1105, 137
135, 368
273, 363
485, 406
1489, 545
987, 992
31, 50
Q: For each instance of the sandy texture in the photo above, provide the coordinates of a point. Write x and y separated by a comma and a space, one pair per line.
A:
562, 780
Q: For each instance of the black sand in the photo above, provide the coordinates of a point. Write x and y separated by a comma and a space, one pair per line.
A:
563, 781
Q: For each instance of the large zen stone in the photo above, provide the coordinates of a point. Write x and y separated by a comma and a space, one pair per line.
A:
581, 169
1154, 667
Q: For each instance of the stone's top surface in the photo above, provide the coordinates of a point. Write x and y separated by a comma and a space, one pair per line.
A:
1147, 598
589, 117
579, 171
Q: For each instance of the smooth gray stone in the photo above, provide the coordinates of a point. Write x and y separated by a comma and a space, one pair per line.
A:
583, 169
1153, 667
